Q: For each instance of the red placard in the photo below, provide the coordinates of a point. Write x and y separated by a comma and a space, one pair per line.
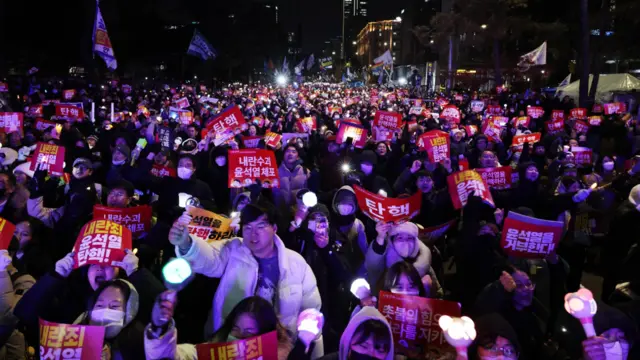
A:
182, 103
581, 127
4, 87
415, 110
615, 108
597, 109
477, 106
356, 132
251, 142
471, 130
554, 125
101, 242
500, 120
67, 110
451, 113
494, 110
272, 139
522, 121
436, 143
389, 120
162, 171
186, 117
42, 124
229, 118
528, 237
595, 120
466, 183
440, 101
247, 165
496, 178
64, 341
263, 347
68, 94
137, 219
34, 110
48, 102
491, 129
434, 233
381, 134
6, 233
415, 325
557, 114
381, 208
535, 112
50, 157
578, 113
307, 124
11, 121
526, 138
582, 156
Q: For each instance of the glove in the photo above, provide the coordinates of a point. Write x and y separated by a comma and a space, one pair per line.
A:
5, 260
581, 195
129, 263
64, 266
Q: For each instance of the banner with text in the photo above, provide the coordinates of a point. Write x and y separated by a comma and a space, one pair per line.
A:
101, 242
263, 347
208, 226
64, 341
50, 157
248, 165
381, 208
528, 237
498, 178
137, 218
466, 183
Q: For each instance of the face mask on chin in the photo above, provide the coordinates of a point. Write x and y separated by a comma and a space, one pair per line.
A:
118, 163
184, 173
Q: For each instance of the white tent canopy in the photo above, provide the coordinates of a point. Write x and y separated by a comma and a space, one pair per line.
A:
607, 85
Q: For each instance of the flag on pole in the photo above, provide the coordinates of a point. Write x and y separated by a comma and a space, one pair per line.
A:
101, 42
385, 59
285, 65
200, 47
298, 69
310, 62
566, 81
536, 57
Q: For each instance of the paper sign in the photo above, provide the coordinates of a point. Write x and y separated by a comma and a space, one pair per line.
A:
11, 121
50, 157
595, 120
68, 94
494, 110
101, 242
436, 144
615, 108
263, 347
162, 171
526, 138
389, 120
451, 113
63, 341
137, 218
34, 110
431, 234
415, 110
251, 142
67, 110
500, 120
229, 119
415, 325
491, 129
182, 103
307, 124
208, 226
522, 121
42, 124
288, 137
357, 133
582, 155
466, 183
477, 106
535, 112
165, 137
597, 108
440, 101
245, 166
471, 130
186, 117
557, 114
272, 139
496, 178
381, 208
581, 127
528, 237
554, 125
6, 233
578, 113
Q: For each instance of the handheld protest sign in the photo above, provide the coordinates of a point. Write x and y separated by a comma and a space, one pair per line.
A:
101, 242
48, 157
263, 347
466, 183
6, 233
63, 341
137, 218
382, 208
528, 237
207, 225
248, 165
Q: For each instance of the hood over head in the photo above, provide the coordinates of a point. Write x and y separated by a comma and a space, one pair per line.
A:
367, 313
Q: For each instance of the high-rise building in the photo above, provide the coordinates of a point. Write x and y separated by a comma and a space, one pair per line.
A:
376, 38
354, 16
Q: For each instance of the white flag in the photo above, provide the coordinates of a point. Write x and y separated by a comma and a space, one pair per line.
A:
285, 65
536, 57
566, 81
298, 69
385, 58
310, 62
101, 43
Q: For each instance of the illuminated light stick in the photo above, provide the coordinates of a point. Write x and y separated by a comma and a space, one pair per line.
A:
93, 112
360, 288
459, 332
309, 199
583, 307
112, 113
177, 273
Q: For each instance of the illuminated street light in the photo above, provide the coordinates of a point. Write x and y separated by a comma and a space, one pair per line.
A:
399, 19
483, 26
431, 42
281, 80
402, 81
333, 53
354, 43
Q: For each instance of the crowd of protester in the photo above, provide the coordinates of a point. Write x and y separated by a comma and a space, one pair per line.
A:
285, 258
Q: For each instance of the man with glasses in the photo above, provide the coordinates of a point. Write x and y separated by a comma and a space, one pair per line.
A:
257, 264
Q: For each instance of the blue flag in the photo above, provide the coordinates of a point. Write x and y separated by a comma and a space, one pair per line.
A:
101, 43
200, 47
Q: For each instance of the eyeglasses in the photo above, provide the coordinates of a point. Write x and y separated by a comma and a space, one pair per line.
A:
507, 351
528, 286
260, 227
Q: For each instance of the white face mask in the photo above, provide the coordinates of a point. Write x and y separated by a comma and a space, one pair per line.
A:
616, 350
345, 209
112, 320
608, 166
412, 292
184, 173
117, 163
366, 169
403, 249
221, 161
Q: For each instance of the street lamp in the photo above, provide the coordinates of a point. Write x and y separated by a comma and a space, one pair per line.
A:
398, 19
431, 42
541, 71
333, 53
354, 43
483, 26
281, 80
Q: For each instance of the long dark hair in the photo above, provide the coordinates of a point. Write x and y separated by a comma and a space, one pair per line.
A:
376, 329
403, 267
261, 311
